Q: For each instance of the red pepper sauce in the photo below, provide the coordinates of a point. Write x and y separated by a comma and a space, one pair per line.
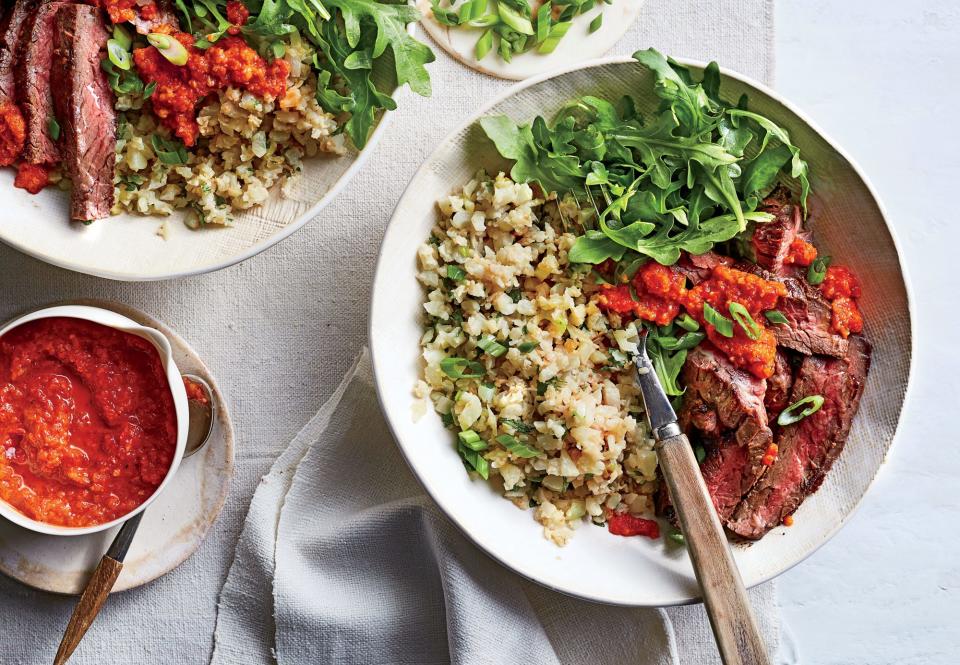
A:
180, 89
88, 428
657, 293
120, 11
13, 132
842, 288
625, 524
802, 253
32, 177
238, 14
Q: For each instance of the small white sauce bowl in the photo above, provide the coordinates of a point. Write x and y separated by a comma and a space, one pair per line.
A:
175, 382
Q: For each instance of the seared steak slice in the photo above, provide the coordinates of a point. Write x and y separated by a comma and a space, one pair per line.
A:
725, 404
165, 15
698, 267
11, 30
84, 105
808, 448
808, 316
724, 470
778, 385
32, 73
772, 240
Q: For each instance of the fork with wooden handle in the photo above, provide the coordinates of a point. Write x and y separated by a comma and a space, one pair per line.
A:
731, 617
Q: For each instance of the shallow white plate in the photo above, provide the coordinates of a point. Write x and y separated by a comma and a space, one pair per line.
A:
173, 526
849, 222
578, 45
128, 247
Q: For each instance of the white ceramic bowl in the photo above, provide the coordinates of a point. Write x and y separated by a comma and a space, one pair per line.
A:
174, 380
128, 247
848, 222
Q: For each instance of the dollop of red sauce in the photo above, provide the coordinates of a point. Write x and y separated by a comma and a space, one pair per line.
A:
658, 292
842, 288
13, 132
32, 177
179, 89
625, 524
802, 253
195, 391
238, 14
88, 428
120, 11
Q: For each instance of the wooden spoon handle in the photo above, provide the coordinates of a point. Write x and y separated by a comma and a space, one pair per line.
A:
94, 595
726, 599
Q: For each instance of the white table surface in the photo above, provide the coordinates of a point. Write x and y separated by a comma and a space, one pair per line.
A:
881, 77
878, 75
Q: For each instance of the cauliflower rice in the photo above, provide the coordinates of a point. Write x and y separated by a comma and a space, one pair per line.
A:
495, 269
246, 147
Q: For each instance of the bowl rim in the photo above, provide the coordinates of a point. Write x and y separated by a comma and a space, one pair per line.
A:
174, 383
589, 64
399, 94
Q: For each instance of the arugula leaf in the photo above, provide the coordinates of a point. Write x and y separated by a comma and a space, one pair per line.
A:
684, 179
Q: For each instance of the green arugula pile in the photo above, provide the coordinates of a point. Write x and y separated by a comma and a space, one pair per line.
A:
690, 176
513, 26
352, 37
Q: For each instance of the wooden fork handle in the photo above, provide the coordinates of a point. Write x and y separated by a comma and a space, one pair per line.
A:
94, 595
728, 606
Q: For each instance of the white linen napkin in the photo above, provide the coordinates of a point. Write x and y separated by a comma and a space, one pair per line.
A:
343, 559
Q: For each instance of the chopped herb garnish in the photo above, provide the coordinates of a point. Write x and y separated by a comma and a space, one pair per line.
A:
526, 347
516, 447
53, 128
491, 346
461, 368
169, 151
518, 426
455, 272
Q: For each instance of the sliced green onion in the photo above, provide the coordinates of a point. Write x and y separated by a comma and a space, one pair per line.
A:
169, 151
687, 322
518, 425
516, 447
53, 128
475, 460
687, 341
543, 22
465, 252
745, 321
557, 32
122, 37
461, 368
676, 536
486, 392
776, 317
505, 50
455, 272
118, 55
722, 324
472, 440
491, 346
484, 44
596, 23
515, 19
484, 21
169, 48
800, 410
700, 453
818, 270
526, 347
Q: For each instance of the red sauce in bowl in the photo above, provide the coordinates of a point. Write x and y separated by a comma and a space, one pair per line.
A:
88, 429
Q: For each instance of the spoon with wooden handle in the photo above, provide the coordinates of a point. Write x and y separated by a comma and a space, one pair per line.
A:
203, 409
731, 617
